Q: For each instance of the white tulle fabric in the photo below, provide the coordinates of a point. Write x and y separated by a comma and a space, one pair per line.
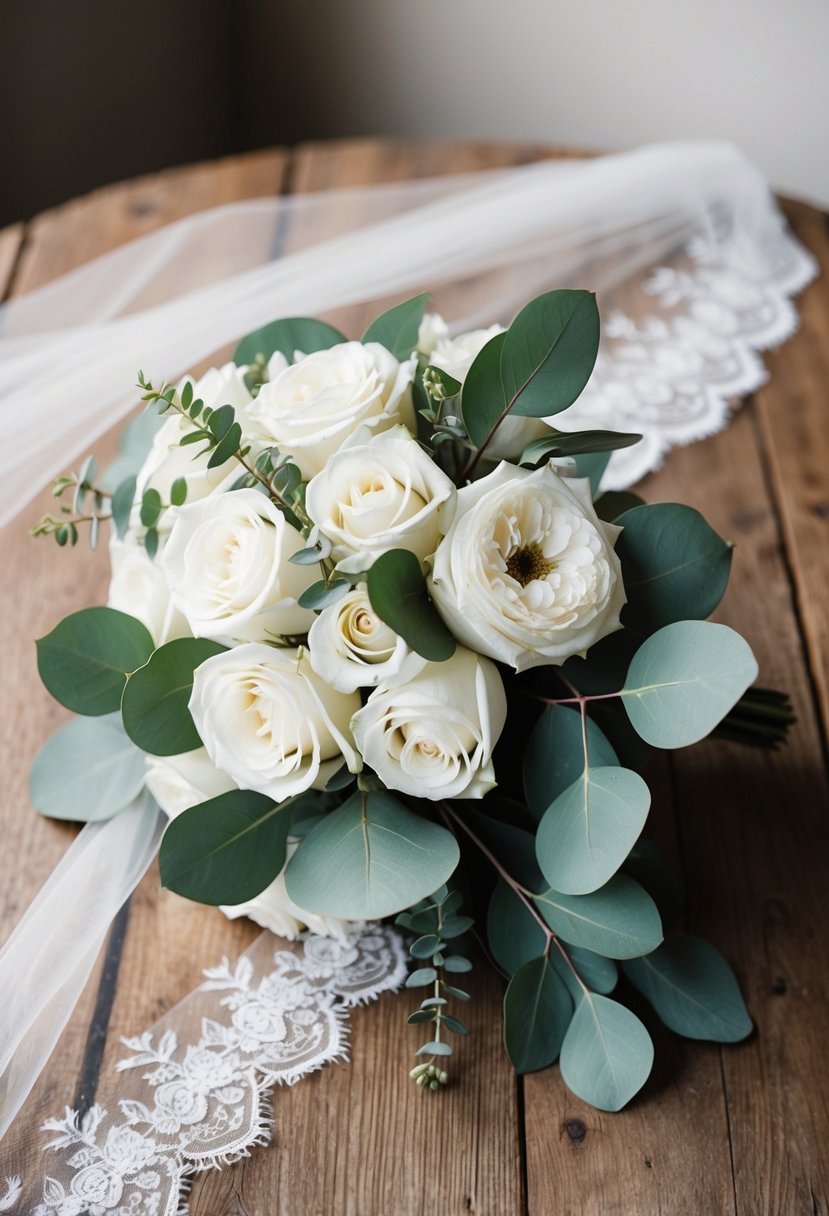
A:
683, 243
194, 1092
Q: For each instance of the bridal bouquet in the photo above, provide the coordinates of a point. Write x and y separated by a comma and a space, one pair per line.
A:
379, 647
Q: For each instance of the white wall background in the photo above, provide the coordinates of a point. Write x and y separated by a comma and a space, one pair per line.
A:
596, 73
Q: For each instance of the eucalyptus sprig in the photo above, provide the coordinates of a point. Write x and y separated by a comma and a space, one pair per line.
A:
91, 506
436, 922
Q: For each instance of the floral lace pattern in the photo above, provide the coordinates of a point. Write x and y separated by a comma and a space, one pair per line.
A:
687, 343
202, 1100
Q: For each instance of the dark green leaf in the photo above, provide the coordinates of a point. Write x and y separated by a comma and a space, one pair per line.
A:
598, 973
227, 447
150, 508
592, 465
453, 1024
515, 936
178, 491
613, 503
221, 420
554, 758
421, 1015
574, 443
151, 542
397, 591
537, 1011
397, 328
549, 352
226, 850
85, 659
292, 334
155, 701
482, 400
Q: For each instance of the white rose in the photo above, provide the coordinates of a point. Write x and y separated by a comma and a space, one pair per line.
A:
527, 572
274, 909
384, 494
270, 722
139, 587
433, 736
167, 460
432, 330
352, 648
226, 561
311, 408
179, 782
455, 356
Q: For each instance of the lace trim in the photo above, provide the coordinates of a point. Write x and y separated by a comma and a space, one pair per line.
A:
201, 1099
672, 377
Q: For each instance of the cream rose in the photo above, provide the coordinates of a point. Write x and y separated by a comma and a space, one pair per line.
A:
274, 909
310, 409
527, 573
352, 648
433, 736
226, 561
384, 494
139, 587
179, 782
270, 722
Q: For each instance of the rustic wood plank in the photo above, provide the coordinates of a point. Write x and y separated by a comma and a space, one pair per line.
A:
793, 416
43, 583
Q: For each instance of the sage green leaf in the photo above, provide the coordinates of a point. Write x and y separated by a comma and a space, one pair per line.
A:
675, 566
588, 831
537, 1010
515, 936
398, 594
122, 502
693, 989
85, 659
620, 920
225, 850
592, 466
88, 771
397, 328
483, 404
287, 336
607, 1053
598, 973
370, 858
684, 679
574, 443
554, 758
154, 706
321, 594
549, 352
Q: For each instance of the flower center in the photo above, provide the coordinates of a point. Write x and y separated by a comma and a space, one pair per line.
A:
529, 563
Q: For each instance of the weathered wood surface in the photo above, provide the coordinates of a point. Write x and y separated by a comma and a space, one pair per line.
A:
738, 1130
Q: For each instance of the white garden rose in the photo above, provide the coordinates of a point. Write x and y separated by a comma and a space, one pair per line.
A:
270, 722
433, 736
274, 909
227, 563
352, 648
383, 494
311, 408
139, 587
432, 330
455, 356
527, 573
179, 782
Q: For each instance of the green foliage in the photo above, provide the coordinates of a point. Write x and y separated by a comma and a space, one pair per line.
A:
514, 935
607, 1053
370, 858
592, 465
397, 328
483, 404
693, 989
134, 445
684, 679
537, 1011
225, 850
89, 770
613, 503
155, 701
292, 334
575, 443
85, 660
323, 593
121, 506
675, 566
597, 972
620, 920
151, 507
588, 831
398, 594
555, 758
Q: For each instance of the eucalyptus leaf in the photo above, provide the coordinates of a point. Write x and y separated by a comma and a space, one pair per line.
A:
588, 831
675, 566
370, 858
613, 503
684, 679
321, 594
514, 935
607, 1053
598, 973
572, 443
154, 706
225, 850
537, 1011
398, 594
693, 989
89, 770
554, 757
592, 465
84, 661
292, 334
397, 328
121, 506
483, 404
620, 920
549, 352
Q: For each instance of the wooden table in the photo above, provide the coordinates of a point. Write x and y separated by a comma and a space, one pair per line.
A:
741, 1130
